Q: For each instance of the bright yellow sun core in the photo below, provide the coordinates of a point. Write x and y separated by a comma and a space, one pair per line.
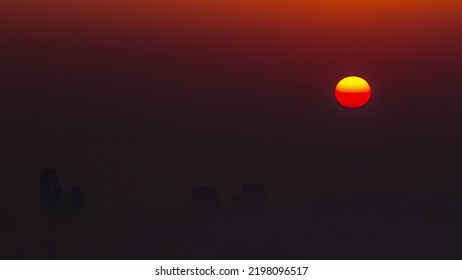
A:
353, 84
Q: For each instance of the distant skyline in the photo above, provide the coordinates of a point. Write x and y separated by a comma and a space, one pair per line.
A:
364, 225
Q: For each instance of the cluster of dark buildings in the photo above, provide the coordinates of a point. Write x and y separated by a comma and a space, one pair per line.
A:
363, 225
252, 199
54, 199
205, 199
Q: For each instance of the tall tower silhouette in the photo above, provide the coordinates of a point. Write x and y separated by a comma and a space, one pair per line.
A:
205, 199
47, 185
252, 198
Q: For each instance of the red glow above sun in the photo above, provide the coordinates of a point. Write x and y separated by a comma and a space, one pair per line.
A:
353, 92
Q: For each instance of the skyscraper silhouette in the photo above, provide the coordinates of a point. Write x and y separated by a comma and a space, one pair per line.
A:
56, 199
205, 199
252, 198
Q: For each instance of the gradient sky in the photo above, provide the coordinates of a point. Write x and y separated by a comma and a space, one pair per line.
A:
147, 98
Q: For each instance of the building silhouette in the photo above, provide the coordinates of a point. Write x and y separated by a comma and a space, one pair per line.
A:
205, 199
252, 198
54, 199
76, 200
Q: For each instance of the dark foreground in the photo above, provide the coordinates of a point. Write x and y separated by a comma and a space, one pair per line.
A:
371, 226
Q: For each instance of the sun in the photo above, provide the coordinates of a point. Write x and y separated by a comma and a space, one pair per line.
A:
353, 92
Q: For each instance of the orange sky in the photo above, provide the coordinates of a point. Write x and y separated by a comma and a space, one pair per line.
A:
356, 32
231, 13
354, 22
